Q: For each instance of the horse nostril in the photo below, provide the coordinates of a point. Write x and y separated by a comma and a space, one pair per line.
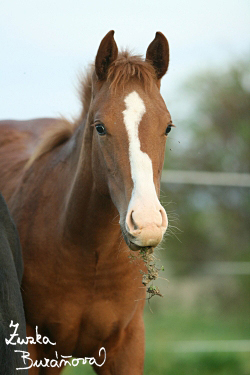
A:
130, 222
133, 221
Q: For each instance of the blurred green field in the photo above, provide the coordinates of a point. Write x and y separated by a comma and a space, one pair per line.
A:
165, 329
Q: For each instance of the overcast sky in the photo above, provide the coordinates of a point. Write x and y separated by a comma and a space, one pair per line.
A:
44, 44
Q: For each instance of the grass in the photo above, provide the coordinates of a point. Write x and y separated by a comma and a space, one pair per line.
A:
170, 325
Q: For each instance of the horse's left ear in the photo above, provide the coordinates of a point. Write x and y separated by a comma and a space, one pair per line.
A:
106, 54
158, 54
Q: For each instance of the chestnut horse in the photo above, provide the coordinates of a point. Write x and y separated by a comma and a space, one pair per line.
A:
84, 196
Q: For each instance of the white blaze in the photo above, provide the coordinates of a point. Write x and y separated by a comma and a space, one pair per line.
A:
141, 165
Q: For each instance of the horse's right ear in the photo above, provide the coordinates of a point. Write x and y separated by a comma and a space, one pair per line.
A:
107, 53
158, 54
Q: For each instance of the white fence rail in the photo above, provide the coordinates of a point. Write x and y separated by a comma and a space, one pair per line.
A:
211, 346
206, 178
202, 346
218, 268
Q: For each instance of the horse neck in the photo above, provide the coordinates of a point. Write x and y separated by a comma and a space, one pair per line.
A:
89, 217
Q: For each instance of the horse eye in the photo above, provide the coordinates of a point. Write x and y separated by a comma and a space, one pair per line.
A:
168, 129
100, 129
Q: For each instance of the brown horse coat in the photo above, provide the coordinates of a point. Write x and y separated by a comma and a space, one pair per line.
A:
83, 199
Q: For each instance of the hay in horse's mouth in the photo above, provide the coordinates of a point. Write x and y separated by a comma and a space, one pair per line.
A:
146, 254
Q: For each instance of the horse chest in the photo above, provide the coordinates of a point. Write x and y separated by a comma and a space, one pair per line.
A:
83, 312
82, 326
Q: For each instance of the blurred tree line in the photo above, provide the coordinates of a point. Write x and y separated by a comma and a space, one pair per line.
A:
214, 222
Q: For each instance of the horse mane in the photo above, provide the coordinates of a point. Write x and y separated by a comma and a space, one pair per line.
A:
121, 71
53, 137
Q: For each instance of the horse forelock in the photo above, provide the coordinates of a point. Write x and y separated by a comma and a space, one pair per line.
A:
127, 67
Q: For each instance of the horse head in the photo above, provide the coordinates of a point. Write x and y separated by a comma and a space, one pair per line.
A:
131, 123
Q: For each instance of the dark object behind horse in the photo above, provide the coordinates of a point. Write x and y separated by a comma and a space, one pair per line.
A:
11, 304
